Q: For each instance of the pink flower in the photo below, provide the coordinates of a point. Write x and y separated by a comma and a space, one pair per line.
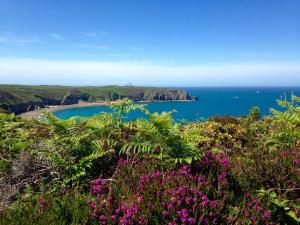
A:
165, 213
42, 203
170, 206
266, 215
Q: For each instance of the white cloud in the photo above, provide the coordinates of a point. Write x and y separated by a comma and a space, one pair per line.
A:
39, 71
20, 40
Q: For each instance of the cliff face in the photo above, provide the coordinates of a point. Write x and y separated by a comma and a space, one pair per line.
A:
68, 99
29, 106
172, 95
26, 98
73, 98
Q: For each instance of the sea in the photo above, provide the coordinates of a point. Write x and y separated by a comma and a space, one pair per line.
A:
212, 102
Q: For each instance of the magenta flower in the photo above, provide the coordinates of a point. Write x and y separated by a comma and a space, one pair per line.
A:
170, 206
42, 203
165, 213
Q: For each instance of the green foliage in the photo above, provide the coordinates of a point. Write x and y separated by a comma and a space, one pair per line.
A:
5, 165
254, 114
282, 209
14, 138
285, 125
257, 153
69, 208
125, 106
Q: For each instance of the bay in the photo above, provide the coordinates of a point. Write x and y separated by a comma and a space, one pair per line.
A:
212, 102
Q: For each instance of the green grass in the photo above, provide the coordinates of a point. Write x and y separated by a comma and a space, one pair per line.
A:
16, 94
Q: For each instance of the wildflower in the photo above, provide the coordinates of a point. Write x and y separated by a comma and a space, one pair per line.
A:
165, 213
192, 220
266, 215
170, 206
92, 205
214, 204
224, 162
42, 203
99, 181
113, 218
205, 201
189, 200
96, 190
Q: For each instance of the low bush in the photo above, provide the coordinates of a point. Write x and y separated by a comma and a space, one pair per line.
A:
108, 170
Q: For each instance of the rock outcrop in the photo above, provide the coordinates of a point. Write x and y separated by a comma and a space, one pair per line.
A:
73, 98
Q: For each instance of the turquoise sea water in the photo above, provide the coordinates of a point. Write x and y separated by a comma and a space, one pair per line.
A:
212, 102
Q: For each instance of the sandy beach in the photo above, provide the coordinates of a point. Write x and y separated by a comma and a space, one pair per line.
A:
35, 113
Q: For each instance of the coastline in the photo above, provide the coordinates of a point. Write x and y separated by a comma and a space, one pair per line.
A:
34, 114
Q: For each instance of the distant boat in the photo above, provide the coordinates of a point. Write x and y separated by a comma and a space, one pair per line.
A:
236, 97
257, 92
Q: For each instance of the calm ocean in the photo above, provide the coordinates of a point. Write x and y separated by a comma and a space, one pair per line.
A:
212, 102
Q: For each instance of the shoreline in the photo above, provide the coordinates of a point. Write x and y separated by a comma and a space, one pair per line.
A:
34, 114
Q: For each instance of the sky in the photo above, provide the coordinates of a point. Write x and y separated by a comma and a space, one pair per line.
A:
150, 42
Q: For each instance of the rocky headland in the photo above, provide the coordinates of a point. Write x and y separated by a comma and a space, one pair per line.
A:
20, 98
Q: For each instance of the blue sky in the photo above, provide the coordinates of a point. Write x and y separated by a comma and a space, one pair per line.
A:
153, 42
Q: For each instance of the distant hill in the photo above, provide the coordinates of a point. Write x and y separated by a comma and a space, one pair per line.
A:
23, 98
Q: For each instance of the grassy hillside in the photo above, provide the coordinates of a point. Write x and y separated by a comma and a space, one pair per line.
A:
104, 170
20, 98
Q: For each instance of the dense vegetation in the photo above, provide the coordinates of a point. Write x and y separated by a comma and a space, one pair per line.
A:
22, 98
106, 170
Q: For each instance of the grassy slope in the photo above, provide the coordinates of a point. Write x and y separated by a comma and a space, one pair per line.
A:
15, 94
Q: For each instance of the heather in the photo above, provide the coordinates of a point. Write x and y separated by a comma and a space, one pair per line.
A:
107, 170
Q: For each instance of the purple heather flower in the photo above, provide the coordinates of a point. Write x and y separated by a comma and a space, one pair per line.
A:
214, 204
99, 181
266, 215
179, 202
96, 190
195, 199
170, 206
181, 190
124, 221
215, 221
102, 218
185, 170
205, 201
258, 208
224, 162
118, 210
191, 220
114, 217
42, 203
92, 205
165, 213
189, 200
246, 213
